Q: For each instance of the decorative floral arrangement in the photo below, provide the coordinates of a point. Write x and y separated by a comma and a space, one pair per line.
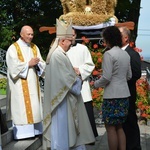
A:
143, 95
143, 98
87, 13
97, 96
96, 53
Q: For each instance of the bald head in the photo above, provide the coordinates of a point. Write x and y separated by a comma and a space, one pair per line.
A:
26, 34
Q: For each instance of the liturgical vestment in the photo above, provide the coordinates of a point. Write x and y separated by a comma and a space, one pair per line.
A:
24, 105
85, 65
61, 102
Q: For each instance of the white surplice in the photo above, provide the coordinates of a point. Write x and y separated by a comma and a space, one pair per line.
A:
80, 57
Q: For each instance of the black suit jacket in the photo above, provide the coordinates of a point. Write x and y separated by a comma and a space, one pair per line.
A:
136, 71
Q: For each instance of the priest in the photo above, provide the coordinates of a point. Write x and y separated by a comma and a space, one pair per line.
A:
66, 124
24, 66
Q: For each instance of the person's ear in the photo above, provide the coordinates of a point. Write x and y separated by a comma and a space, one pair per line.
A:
126, 39
21, 35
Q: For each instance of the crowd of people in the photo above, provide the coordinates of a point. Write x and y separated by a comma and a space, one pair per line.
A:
65, 117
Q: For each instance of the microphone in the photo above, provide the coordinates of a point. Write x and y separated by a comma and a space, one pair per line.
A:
37, 67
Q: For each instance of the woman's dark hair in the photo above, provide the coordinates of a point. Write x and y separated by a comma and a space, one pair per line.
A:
112, 36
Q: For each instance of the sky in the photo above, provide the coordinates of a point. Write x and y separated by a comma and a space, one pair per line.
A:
143, 39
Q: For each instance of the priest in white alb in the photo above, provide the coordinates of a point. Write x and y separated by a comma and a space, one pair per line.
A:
24, 105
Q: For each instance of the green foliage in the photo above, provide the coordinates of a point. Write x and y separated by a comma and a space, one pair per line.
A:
129, 10
6, 35
36, 13
14, 14
3, 83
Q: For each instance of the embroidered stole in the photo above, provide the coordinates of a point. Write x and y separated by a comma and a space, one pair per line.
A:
25, 84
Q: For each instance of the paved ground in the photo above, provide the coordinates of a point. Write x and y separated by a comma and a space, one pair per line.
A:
101, 143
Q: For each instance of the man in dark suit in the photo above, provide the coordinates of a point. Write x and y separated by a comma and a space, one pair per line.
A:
131, 127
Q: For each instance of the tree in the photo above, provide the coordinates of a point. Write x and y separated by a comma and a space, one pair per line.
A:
36, 13
6, 33
50, 11
14, 14
129, 10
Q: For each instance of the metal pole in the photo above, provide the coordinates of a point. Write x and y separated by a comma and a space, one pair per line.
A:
96, 38
148, 75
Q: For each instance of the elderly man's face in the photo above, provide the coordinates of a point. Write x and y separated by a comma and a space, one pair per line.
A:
125, 38
67, 44
27, 34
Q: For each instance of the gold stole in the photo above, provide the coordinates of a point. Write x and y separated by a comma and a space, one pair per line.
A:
25, 84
